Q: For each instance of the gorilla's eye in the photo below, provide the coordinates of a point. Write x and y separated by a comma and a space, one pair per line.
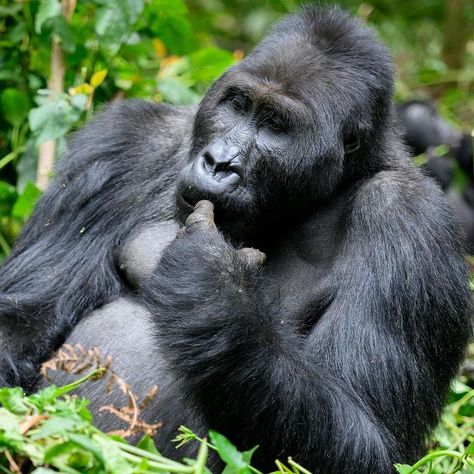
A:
352, 143
276, 124
239, 103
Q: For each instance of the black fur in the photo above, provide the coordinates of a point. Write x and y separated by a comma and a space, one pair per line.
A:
340, 348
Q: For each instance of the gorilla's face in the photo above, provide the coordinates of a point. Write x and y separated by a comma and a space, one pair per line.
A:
250, 151
271, 136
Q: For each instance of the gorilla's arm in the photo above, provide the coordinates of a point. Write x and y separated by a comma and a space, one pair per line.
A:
119, 173
363, 374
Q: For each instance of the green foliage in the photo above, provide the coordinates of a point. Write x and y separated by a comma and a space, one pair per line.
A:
112, 48
51, 431
453, 440
54, 117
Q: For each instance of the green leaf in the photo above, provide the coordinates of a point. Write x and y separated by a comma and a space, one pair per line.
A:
55, 425
405, 469
79, 101
208, 63
62, 29
114, 459
229, 454
9, 423
26, 202
114, 22
47, 9
6, 190
147, 444
44, 397
169, 21
10, 10
43, 470
27, 165
12, 400
14, 106
470, 449
18, 32
53, 119
35, 452
89, 445
247, 455
176, 92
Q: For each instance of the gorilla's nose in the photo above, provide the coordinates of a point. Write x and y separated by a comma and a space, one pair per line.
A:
217, 168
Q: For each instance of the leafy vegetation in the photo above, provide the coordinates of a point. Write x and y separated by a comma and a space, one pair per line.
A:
60, 60
51, 431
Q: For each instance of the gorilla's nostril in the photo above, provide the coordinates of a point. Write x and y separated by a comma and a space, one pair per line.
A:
236, 167
208, 162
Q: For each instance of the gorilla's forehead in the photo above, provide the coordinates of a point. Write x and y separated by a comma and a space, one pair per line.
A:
308, 73
292, 64
325, 57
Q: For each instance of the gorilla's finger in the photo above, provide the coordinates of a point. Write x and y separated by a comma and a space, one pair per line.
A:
202, 217
252, 256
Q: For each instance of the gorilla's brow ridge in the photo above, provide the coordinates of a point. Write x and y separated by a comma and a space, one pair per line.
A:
266, 96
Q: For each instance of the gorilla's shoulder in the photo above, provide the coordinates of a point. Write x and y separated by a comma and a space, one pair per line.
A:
143, 112
142, 118
129, 132
404, 194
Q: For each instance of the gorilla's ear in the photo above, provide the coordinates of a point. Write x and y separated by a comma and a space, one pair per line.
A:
351, 143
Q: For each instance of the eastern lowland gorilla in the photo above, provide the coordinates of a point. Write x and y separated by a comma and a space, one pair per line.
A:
339, 347
423, 130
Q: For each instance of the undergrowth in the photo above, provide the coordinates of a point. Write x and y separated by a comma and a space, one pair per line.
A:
52, 431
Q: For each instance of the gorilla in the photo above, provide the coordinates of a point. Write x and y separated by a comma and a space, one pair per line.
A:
423, 130
271, 259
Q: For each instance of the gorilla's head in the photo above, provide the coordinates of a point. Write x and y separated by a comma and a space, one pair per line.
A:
299, 117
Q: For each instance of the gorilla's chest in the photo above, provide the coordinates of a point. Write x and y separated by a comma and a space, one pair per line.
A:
142, 250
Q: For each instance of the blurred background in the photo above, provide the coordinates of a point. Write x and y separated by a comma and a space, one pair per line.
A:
61, 59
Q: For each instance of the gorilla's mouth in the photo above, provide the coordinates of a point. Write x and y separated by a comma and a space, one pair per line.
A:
184, 206
185, 202
227, 214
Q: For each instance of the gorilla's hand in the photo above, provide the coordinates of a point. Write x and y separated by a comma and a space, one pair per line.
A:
202, 219
201, 292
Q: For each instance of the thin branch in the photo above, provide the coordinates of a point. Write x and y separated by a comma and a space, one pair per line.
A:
47, 150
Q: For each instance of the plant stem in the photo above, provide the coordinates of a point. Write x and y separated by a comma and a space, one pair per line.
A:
153, 457
201, 459
10, 157
4, 245
429, 457
298, 467
179, 469
462, 401
73, 385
